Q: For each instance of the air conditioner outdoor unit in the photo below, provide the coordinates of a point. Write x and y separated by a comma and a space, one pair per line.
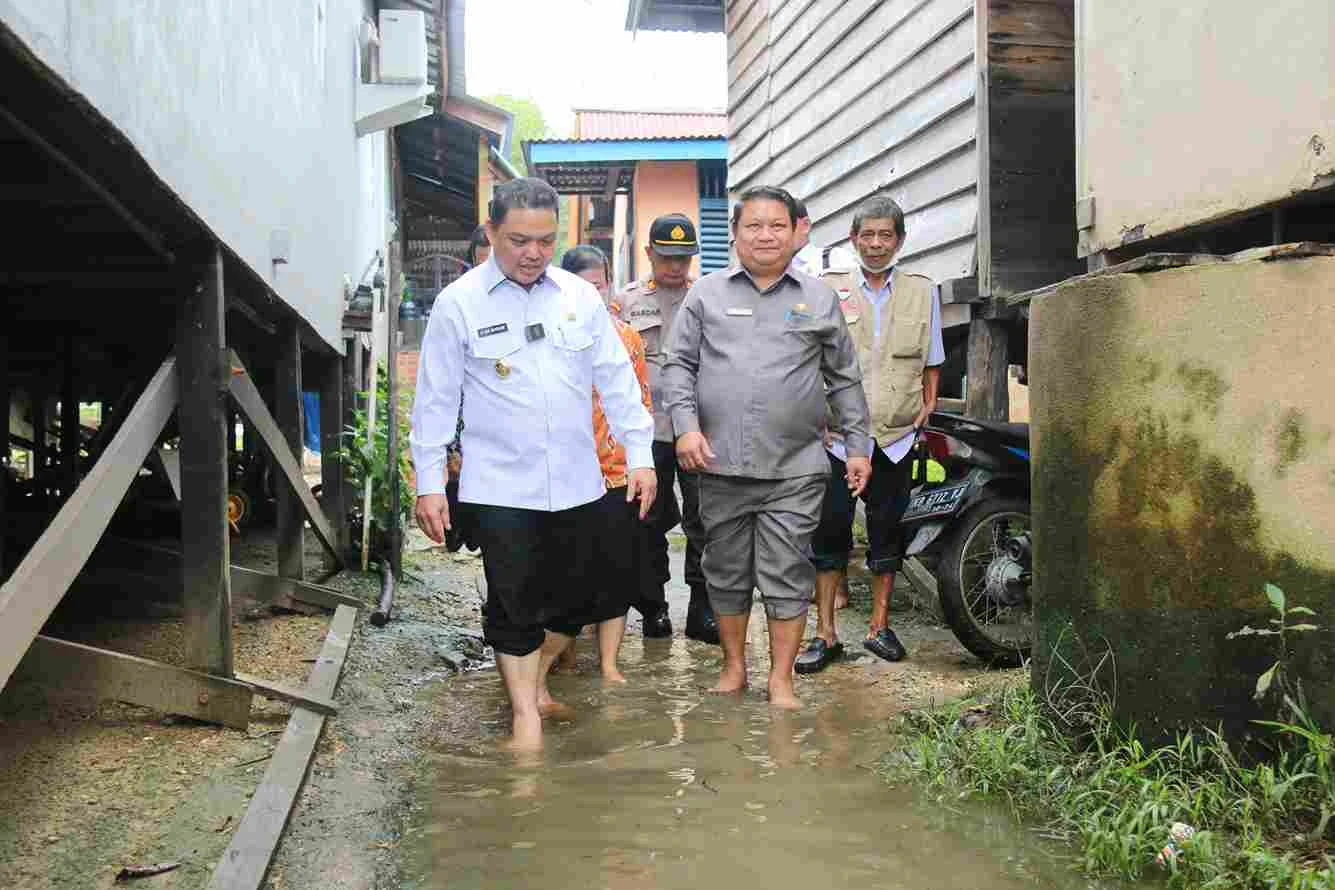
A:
402, 46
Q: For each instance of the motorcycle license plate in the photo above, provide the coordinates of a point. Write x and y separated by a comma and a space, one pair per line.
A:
930, 502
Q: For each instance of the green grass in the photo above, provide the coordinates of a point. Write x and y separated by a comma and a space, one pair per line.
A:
1113, 799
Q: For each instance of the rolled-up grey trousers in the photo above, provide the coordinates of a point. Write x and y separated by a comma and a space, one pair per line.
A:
758, 536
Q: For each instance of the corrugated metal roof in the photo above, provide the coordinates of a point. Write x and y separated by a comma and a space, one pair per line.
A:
605, 125
675, 15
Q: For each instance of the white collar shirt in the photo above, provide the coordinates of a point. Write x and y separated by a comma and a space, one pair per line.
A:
525, 362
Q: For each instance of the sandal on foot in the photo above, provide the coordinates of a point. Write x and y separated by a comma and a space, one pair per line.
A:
817, 656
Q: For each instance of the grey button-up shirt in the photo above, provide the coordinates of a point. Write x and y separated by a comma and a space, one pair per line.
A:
650, 310
750, 370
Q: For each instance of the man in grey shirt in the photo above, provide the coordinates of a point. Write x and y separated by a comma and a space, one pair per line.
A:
754, 354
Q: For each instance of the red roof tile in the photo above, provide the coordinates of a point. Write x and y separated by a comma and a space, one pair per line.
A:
597, 124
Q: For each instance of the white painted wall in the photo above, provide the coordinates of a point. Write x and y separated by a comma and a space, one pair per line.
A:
1187, 112
246, 109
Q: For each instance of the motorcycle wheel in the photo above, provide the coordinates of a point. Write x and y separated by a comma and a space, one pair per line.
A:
1000, 635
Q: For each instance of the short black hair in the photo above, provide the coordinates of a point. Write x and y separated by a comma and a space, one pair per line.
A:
476, 240
766, 193
878, 207
801, 208
524, 193
585, 256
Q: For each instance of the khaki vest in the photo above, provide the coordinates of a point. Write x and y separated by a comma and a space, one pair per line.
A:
891, 368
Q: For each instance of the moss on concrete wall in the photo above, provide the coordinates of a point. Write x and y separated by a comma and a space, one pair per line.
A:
1182, 443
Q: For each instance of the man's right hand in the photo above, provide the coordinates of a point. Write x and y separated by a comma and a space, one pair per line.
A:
693, 452
433, 516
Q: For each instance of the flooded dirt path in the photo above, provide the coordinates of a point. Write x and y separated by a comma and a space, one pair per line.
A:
657, 784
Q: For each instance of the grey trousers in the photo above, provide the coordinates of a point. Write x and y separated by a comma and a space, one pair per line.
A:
758, 535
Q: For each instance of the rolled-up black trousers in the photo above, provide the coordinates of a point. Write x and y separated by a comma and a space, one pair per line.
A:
539, 569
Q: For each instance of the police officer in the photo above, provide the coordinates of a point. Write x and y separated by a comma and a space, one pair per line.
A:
755, 354
895, 319
523, 344
649, 306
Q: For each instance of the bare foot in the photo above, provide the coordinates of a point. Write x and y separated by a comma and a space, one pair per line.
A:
527, 730
565, 662
612, 675
730, 681
782, 695
556, 711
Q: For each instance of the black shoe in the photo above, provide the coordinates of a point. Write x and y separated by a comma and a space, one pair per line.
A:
657, 624
817, 656
702, 625
885, 645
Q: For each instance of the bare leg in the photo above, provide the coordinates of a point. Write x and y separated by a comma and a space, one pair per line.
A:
610, 633
520, 674
785, 637
880, 602
827, 590
841, 598
732, 635
565, 662
552, 647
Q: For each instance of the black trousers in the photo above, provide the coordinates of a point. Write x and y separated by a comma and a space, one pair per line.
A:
663, 517
886, 497
538, 566
620, 557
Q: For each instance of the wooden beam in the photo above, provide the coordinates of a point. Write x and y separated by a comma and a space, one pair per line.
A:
264, 587
333, 473
988, 396
252, 405
151, 238
114, 676
70, 436
41, 579
244, 863
205, 545
392, 443
4, 442
483, 177
282, 692
287, 406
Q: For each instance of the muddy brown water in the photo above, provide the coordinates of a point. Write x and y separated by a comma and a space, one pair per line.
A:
657, 784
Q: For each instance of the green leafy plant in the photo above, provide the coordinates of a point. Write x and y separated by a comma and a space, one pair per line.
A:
369, 458
1275, 677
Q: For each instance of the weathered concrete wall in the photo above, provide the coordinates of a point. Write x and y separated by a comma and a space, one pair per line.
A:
1187, 112
663, 187
1183, 425
246, 109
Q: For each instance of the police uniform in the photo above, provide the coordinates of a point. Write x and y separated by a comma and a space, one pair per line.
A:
651, 309
753, 371
524, 362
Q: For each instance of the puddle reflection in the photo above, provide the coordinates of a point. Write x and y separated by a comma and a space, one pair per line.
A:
655, 784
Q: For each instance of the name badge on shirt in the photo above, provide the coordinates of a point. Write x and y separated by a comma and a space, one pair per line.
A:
534, 332
739, 311
493, 329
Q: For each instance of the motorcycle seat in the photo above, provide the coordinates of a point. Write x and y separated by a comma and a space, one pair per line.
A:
1010, 433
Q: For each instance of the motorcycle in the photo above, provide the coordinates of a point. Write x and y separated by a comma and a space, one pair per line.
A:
973, 528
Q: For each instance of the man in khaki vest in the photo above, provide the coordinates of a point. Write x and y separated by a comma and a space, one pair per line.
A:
895, 319
650, 306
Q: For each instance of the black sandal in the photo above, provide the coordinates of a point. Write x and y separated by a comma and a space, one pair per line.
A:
885, 645
817, 656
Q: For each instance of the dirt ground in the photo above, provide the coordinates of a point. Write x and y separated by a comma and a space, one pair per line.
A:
92, 787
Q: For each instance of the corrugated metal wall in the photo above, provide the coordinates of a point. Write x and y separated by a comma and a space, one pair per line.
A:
838, 99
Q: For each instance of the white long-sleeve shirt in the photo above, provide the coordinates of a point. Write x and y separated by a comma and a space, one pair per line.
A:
528, 412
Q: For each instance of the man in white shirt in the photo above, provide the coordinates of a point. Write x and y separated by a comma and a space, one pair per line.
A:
895, 319
523, 344
814, 260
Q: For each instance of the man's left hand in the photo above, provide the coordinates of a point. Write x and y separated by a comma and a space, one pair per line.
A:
642, 484
858, 474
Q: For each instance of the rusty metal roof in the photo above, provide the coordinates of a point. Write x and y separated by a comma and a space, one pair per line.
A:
608, 125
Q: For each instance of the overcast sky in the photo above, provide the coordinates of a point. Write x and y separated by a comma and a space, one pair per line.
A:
568, 54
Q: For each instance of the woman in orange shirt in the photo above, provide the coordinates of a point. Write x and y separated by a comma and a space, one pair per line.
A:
623, 537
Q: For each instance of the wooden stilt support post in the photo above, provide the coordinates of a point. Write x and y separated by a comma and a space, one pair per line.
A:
205, 372
69, 423
287, 411
332, 471
4, 443
988, 396
394, 533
